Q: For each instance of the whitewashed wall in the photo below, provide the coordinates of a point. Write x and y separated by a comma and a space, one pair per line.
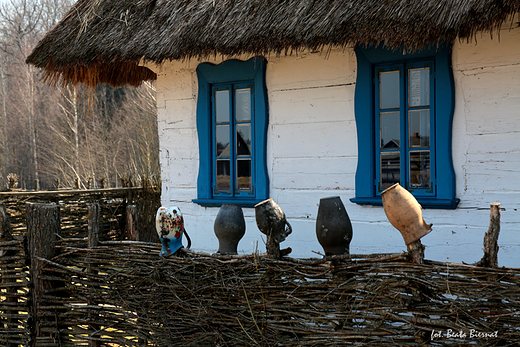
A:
312, 152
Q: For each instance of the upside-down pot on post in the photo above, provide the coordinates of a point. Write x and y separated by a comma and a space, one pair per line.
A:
229, 227
405, 213
271, 221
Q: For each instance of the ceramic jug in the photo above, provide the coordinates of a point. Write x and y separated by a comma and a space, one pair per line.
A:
229, 227
170, 228
271, 220
404, 213
333, 227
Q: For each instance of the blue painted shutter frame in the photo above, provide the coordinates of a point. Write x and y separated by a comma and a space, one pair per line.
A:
442, 194
232, 74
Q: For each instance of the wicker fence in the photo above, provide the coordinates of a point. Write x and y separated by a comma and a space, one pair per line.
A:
17, 276
122, 293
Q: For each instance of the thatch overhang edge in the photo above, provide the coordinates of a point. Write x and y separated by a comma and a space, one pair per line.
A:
108, 37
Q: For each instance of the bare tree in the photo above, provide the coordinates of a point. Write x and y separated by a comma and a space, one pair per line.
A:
70, 133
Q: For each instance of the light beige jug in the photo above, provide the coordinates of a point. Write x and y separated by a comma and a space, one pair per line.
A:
404, 213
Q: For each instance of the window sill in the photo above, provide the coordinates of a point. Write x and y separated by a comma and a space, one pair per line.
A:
430, 203
218, 202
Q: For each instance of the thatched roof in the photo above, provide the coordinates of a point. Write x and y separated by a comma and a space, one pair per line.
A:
104, 40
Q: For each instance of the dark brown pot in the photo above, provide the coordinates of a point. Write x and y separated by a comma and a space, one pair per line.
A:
271, 220
333, 227
229, 227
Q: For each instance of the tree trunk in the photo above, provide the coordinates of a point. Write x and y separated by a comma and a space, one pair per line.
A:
4, 108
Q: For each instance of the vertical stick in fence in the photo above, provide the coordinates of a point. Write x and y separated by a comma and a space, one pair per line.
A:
131, 223
490, 258
94, 222
11, 324
43, 227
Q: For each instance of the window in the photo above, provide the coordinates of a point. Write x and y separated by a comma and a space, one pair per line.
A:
404, 112
404, 148
232, 128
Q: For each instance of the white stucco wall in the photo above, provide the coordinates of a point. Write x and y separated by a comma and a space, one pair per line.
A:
312, 152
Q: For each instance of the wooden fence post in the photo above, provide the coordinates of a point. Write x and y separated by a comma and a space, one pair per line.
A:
11, 293
43, 226
490, 258
131, 223
94, 223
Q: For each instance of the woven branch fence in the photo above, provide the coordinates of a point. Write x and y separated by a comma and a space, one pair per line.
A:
122, 293
134, 297
16, 284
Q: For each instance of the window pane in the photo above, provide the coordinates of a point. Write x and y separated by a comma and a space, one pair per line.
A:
390, 169
390, 130
419, 123
419, 87
244, 139
222, 106
223, 176
420, 169
243, 174
243, 104
222, 135
389, 90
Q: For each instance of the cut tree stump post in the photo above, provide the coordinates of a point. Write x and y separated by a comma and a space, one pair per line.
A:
490, 258
416, 251
131, 223
94, 222
273, 247
43, 227
11, 292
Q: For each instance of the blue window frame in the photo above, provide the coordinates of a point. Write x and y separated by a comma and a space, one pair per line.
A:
404, 113
232, 124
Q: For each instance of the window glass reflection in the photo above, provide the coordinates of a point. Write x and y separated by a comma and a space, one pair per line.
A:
390, 130
223, 182
420, 169
389, 90
223, 142
419, 87
390, 169
419, 128
244, 139
244, 174
222, 106
243, 104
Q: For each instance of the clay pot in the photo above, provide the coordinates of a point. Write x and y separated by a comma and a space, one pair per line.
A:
404, 213
271, 220
229, 227
333, 227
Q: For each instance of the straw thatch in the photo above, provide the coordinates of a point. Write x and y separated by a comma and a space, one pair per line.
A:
103, 41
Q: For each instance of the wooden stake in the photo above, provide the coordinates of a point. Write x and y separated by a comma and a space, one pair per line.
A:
131, 223
94, 222
490, 258
272, 247
416, 251
10, 295
43, 227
